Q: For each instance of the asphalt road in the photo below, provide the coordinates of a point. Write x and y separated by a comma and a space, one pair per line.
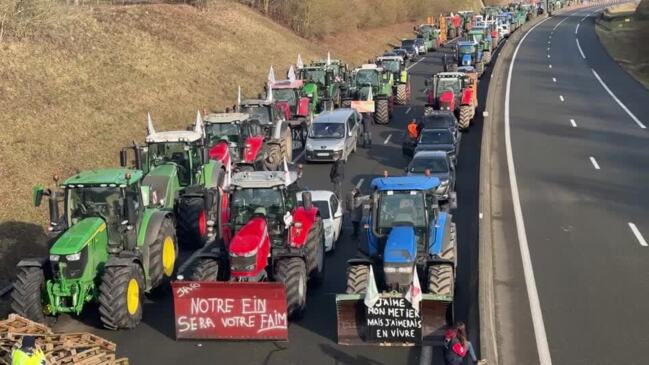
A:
581, 165
313, 338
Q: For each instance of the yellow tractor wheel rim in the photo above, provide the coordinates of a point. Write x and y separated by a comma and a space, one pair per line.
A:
168, 256
132, 296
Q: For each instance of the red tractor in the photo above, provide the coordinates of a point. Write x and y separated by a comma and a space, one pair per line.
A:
275, 239
454, 91
289, 97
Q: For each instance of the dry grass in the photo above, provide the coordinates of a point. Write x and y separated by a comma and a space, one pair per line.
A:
79, 88
625, 37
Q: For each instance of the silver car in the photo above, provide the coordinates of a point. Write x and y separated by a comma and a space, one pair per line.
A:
333, 135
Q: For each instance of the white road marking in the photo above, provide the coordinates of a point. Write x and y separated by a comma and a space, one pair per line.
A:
387, 139
360, 183
548, 42
554, 79
573, 123
413, 65
299, 156
540, 335
635, 119
638, 235
408, 110
577, 28
594, 162
579, 48
558, 24
561, 98
480, 215
548, 48
548, 55
550, 65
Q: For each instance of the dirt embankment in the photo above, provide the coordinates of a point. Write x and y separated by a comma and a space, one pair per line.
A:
79, 87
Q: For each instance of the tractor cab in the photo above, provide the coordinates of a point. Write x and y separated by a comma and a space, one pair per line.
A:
371, 76
232, 138
315, 79
446, 88
180, 150
395, 65
290, 93
267, 112
468, 53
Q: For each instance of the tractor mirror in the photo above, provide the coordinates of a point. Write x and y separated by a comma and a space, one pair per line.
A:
37, 195
123, 158
146, 195
306, 200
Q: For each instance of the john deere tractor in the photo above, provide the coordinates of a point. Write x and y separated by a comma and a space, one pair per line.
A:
372, 84
396, 65
183, 179
324, 83
111, 245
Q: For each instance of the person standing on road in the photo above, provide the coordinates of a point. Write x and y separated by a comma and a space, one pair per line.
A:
367, 130
457, 346
355, 209
413, 130
336, 175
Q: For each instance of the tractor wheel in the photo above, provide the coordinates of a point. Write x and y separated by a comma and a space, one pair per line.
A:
402, 94
315, 261
27, 295
487, 57
191, 222
162, 254
206, 269
357, 277
292, 273
274, 157
428, 110
465, 117
121, 295
449, 249
440, 280
382, 112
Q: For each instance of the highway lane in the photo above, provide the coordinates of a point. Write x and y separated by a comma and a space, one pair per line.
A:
314, 336
581, 166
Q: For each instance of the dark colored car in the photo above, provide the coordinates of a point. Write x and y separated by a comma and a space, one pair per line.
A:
401, 52
411, 48
439, 139
441, 119
440, 165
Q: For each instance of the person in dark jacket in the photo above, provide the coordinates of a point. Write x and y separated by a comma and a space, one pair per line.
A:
336, 175
367, 130
457, 346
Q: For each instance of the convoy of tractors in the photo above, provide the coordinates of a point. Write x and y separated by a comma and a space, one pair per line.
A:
227, 187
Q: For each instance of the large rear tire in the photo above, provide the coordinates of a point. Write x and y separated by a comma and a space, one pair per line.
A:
382, 112
465, 116
206, 269
440, 280
121, 295
27, 295
357, 277
315, 261
163, 254
272, 161
292, 273
402, 94
191, 222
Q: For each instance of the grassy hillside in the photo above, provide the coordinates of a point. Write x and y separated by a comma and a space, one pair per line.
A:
76, 84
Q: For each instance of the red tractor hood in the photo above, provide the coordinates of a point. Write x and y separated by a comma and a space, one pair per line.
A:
285, 108
221, 152
446, 97
251, 237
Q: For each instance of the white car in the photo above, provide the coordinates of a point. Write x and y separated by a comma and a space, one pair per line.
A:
331, 212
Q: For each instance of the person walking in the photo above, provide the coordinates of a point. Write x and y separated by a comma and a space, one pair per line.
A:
336, 175
457, 346
355, 209
367, 130
413, 130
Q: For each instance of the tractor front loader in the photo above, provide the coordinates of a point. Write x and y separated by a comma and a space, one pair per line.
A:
110, 246
400, 290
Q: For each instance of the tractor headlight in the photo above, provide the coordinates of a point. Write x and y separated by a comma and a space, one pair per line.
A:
54, 258
73, 257
400, 270
309, 146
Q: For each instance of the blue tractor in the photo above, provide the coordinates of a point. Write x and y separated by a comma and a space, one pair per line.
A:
407, 233
467, 53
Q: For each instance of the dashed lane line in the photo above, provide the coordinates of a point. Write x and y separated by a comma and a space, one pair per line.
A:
579, 48
387, 139
638, 235
594, 162
573, 123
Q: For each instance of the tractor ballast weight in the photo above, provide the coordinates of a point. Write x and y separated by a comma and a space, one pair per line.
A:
410, 249
111, 245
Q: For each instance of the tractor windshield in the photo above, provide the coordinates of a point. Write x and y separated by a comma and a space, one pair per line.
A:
287, 95
258, 112
327, 130
391, 65
219, 131
264, 201
467, 49
367, 77
317, 76
401, 207
444, 84
177, 153
100, 202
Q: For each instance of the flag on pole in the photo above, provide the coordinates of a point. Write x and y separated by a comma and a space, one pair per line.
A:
299, 63
238, 97
328, 58
370, 97
291, 74
414, 294
271, 75
372, 293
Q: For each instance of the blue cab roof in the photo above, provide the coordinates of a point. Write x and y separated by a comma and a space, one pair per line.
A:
405, 183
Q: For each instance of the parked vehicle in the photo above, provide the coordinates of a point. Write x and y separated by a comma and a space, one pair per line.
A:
331, 212
434, 140
421, 45
438, 164
333, 135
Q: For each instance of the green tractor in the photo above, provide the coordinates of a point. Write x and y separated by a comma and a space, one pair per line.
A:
482, 36
183, 179
324, 82
110, 246
372, 85
397, 66
430, 34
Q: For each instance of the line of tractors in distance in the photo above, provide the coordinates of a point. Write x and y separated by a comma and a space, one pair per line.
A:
227, 186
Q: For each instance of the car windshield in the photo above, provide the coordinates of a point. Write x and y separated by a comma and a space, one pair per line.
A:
248, 202
259, 112
444, 84
285, 95
317, 76
327, 130
407, 43
391, 65
436, 164
401, 207
435, 137
218, 131
101, 202
365, 77
323, 208
467, 49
